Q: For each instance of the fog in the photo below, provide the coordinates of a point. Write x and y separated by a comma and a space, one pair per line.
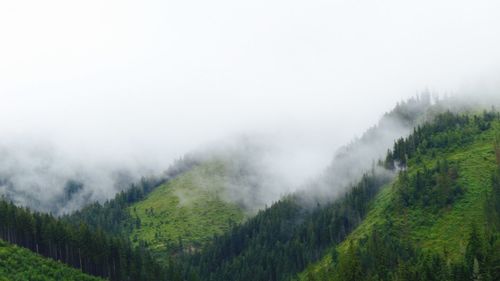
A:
107, 91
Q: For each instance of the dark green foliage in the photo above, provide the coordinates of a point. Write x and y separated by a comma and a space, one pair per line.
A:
112, 215
434, 188
349, 266
18, 264
386, 256
282, 240
447, 131
493, 202
91, 251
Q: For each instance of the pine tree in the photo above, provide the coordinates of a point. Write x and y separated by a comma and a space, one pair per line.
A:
349, 266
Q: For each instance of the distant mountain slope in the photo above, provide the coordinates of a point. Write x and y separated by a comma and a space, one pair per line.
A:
201, 196
187, 211
112, 216
19, 264
426, 222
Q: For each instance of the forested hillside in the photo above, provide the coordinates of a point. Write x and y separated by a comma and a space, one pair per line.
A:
439, 219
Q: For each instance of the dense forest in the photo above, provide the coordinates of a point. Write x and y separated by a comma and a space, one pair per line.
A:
387, 255
20, 264
92, 251
389, 251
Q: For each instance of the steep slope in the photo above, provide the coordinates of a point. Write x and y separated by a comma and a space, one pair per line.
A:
19, 264
185, 212
281, 240
434, 209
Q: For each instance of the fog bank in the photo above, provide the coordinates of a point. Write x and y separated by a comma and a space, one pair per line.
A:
103, 92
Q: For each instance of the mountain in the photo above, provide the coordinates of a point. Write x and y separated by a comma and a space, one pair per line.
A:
417, 197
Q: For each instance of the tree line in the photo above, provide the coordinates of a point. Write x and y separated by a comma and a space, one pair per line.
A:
92, 251
446, 131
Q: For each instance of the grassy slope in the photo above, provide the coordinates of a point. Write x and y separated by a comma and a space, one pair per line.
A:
447, 230
17, 263
189, 208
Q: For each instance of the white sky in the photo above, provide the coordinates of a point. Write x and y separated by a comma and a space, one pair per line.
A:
153, 79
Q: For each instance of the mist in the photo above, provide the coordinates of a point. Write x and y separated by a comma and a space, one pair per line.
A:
103, 93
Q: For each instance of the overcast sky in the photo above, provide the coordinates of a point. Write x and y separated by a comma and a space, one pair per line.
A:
151, 80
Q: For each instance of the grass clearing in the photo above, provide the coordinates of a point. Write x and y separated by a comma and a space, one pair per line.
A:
186, 212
